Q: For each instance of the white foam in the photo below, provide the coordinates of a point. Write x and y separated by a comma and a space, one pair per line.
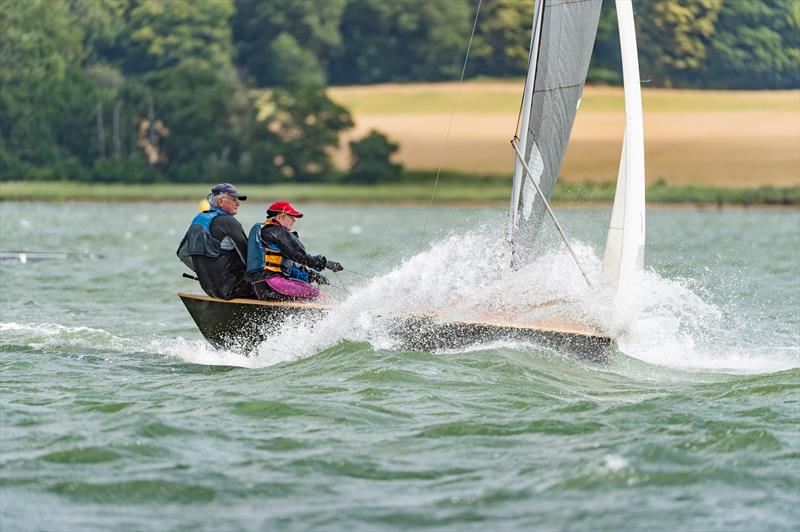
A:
615, 462
200, 352
466, 275
45, 335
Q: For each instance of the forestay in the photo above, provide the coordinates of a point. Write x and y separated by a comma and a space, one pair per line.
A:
561, 47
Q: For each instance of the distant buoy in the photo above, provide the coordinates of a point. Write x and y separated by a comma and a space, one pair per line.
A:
204, 205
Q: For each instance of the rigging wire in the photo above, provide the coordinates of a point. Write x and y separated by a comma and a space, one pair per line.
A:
452, 114
358, 273
550, 211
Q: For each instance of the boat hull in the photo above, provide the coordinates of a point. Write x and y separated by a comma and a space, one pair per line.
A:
428, 334
242, 324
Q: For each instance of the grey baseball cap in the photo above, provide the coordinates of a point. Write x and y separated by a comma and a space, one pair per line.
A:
227, 188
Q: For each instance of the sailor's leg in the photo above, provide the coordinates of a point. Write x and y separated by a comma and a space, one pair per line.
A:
293, 289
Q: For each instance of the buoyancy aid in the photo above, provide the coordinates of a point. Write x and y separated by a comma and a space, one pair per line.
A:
255, 250
199, 241
268, 258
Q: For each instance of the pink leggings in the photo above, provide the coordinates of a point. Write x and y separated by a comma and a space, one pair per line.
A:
289, 288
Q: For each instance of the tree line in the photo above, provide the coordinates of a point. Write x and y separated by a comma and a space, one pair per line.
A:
186, 91
725, 44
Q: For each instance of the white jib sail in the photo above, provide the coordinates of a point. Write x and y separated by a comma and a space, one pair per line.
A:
624, 254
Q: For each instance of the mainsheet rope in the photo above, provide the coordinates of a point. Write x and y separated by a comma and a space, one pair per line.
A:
452, 114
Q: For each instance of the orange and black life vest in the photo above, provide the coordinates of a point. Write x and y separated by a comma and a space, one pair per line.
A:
263, 257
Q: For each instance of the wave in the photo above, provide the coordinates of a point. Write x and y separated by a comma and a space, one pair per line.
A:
49, 336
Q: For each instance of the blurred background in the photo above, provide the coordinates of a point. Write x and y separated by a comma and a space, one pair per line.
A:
362, 91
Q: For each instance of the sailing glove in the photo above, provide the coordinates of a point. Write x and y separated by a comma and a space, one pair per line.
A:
317, 262
333, 266
316, 277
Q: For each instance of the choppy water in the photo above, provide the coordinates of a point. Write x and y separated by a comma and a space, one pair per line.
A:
117, 415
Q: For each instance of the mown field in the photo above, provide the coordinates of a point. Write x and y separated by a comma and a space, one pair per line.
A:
739, 139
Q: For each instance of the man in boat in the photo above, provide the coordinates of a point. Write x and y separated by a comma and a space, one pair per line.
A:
277, 263
215, 245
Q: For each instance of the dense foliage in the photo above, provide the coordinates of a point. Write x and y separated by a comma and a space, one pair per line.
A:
186, 90
733, 44
372, 159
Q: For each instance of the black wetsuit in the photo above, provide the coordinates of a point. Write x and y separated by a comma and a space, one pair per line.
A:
223, 276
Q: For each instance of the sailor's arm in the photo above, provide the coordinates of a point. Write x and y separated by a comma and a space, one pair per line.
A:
320, 261
292, 248
231, 228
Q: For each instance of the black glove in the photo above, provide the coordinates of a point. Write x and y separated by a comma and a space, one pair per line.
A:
317, 262
316, 277
333, 266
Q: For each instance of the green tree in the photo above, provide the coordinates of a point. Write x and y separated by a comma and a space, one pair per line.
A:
42, 86
371, 159
402, 40
674, 42
502, 38
757, 45
191, 122
102, 23
292, 65
274, 38
295, 131
162, 35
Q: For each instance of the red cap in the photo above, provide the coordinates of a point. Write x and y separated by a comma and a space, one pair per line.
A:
285, 207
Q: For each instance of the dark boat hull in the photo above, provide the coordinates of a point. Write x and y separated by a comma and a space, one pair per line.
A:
427, 334
242, 324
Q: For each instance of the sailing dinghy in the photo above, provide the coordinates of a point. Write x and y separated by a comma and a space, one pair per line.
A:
563, 34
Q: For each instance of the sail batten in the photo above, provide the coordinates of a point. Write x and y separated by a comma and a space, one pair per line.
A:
560, 55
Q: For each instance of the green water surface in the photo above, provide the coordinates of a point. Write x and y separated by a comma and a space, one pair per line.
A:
116, 415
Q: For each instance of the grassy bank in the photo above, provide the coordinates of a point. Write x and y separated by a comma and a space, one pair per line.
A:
415, 187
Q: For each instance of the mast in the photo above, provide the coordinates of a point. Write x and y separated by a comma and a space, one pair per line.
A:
624, 254
525, 112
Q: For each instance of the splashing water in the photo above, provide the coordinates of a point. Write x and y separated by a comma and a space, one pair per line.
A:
467, 275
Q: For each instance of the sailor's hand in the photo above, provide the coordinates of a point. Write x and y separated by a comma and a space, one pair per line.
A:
317, 262
333, 266
319, 278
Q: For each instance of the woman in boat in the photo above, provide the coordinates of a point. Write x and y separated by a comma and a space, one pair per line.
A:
278, 266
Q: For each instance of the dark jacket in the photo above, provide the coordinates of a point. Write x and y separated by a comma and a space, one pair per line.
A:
217, 252
275, 235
